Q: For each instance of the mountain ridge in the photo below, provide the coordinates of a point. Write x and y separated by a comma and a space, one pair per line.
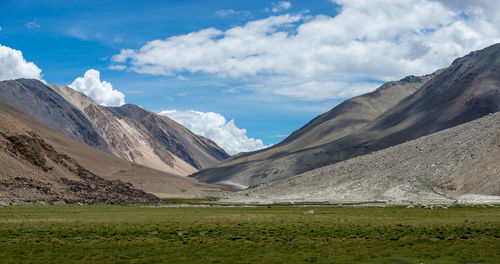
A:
102, 164
472, 81
159, 143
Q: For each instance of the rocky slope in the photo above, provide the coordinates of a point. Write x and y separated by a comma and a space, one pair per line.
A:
34, 172
56, 156
278, 161
141, 136
457, 164
468, 89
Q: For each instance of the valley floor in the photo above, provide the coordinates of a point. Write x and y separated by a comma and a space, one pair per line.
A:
142, 234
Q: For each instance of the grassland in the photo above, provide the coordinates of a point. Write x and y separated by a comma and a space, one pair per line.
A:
173, 201
134, 234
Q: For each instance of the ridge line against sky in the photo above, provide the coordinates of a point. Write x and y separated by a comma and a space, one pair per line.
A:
267, 66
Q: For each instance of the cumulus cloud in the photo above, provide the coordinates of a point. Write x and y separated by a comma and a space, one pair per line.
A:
362, 42
215, 127
279, 6
14, 66
102, 92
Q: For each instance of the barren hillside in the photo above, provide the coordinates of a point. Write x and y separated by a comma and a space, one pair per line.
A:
102, 164
468, 89
457, 164
34, 172
141, 136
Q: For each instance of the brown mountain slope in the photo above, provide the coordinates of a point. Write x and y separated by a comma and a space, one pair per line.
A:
138, 135
460, 163
34, 172
104, 165
468, 89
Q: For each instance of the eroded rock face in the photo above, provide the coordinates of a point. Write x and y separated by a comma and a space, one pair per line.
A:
395, 113
141, 136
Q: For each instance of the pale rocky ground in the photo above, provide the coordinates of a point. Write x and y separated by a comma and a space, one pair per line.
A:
459, 164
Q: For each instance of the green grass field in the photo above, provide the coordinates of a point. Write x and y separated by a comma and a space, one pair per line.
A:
134, 234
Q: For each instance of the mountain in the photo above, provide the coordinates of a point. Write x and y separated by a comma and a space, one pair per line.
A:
461, 163
34, 172
34, 157
128, 132
138, 135
279, 161
468, 89
44, 104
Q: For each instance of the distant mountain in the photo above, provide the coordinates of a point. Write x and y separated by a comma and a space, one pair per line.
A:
461, 164
395, 113
41, 165
141, 136
46, 105
128, 132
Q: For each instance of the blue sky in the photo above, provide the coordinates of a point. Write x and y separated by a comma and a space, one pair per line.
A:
271, 66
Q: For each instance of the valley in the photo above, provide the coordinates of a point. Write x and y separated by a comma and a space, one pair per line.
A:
334, 131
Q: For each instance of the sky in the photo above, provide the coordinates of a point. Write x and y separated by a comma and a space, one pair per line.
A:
243, 73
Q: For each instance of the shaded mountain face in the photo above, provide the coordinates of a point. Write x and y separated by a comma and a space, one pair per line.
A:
280, 161
40, 165
141, 136
468, 89
459, 163
44, 104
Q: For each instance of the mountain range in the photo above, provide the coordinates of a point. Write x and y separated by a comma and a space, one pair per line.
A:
423, 138
128, 132
393, 114
153, 140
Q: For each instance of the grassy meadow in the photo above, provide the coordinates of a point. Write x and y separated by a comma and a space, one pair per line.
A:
137, 234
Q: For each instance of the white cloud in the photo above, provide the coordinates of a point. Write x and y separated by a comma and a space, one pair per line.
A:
32, 24
0, 28
279, 6
102, 92
215, 127
364, 41
14, 66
